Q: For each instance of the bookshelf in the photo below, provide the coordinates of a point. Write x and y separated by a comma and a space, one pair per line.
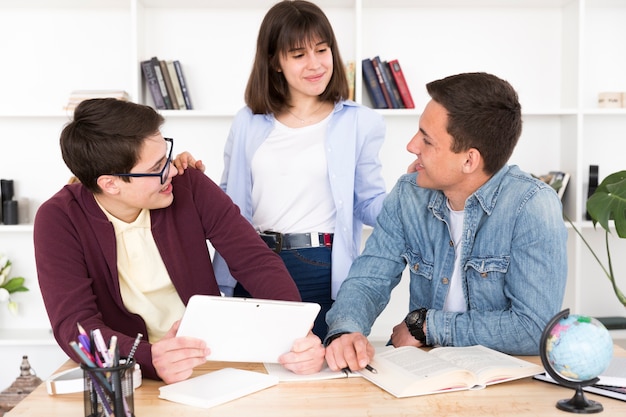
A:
558, 54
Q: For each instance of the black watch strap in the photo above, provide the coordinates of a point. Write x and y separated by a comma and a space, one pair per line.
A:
415, 323
333, 337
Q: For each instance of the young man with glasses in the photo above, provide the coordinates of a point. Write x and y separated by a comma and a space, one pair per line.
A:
124, 250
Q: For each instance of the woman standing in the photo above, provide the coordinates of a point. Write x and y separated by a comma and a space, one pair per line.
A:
301, 161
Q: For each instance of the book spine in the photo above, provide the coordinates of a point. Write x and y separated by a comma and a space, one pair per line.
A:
168, 84
403, 87
372, 86
183, 84
393, 87
157, 69
381, 81
176, 85
153, 84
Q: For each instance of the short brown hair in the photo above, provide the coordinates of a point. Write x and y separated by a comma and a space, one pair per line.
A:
483, 113
106, 137
286, 26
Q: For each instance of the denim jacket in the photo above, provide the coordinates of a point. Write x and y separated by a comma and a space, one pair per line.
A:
514, 263
355, 136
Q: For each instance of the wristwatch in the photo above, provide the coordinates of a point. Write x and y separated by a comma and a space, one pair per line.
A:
415, 322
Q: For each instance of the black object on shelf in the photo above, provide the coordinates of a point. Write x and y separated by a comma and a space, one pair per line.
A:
593, 184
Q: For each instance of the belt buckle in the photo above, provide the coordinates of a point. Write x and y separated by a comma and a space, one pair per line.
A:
278, 245
279, 240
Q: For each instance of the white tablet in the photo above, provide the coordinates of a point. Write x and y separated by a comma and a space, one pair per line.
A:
247, 329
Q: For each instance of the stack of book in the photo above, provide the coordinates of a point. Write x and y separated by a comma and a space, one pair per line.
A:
386, 85
166, 82
77, 96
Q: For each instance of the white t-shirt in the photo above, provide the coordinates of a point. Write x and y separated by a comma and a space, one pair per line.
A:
455, 300
290, 186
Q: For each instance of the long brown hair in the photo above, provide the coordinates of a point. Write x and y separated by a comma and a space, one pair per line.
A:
287, 25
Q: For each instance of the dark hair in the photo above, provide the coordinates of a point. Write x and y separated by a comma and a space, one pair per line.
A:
483, 113
287, 25
106, 137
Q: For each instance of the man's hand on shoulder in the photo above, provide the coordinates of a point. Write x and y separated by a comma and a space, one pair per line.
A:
186, 160
350, 350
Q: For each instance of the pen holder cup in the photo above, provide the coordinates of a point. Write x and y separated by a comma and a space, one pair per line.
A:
109, 391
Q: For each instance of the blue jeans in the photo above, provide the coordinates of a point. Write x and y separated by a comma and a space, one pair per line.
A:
310, 270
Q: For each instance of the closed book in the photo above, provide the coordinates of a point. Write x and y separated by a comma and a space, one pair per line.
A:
386, 83
159, 75
168, 84
217, 387
178, 93
393, 87
403, 88
153, 84
183, 84
381, 81
372, 86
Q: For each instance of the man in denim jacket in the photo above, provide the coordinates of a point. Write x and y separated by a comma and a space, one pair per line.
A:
485, 243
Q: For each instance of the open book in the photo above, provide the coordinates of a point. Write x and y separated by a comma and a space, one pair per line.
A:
409, 371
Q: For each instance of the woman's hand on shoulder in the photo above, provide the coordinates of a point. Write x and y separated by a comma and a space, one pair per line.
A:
186, 160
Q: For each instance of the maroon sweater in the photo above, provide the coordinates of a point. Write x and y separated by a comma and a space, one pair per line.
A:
75, 252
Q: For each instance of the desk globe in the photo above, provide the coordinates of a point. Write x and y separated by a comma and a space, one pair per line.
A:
574, 350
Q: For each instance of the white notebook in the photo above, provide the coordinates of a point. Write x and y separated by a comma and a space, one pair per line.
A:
246, 329
217, 387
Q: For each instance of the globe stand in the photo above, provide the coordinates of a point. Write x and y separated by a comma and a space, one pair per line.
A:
578, 403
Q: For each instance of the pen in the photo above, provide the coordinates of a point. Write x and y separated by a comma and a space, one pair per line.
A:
134, 348
371, 368
89, 363
102, 347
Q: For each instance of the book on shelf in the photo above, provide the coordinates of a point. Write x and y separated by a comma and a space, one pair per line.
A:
558, 180
216, 387
183, 84
403, 88
385, 83
392, 85
156, 64
168, 84
178, 93
372, 85
409, 371
78, 96
381, 82
350, 76
612, 381
153, 84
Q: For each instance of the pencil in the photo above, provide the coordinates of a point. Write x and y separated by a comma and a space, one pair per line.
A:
134, 348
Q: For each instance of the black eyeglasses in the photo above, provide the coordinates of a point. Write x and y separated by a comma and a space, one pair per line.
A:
165, 172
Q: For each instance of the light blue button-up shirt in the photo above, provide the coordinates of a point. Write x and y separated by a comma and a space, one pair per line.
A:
514, 263
355, 136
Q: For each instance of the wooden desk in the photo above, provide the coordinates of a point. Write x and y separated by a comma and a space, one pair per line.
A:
345, 397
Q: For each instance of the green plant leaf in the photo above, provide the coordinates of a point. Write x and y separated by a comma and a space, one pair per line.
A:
15, 284
608, 202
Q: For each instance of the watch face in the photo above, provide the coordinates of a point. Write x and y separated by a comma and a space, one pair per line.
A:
412, 317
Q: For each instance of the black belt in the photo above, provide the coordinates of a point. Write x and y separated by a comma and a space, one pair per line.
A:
288, 241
